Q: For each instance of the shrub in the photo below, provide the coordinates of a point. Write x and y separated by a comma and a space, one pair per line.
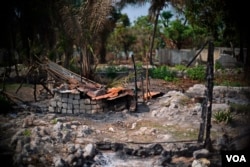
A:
240, 108
197, 73
162, 72
218, 65
111, 71
54, 121
180, 67
223, 116
27, 132
231, 83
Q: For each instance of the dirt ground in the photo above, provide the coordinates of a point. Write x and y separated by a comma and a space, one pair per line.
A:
123, 127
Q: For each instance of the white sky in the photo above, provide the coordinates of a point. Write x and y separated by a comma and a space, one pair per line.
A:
134, 12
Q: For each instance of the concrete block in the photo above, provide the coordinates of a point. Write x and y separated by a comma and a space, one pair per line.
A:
51, 109
59, 104
65, 95
87, 101
69, 111
70, 101
70, 107
64, 100
77, 97
76, 111
64, 110
64, 105
53, 103
76, 106
76, 102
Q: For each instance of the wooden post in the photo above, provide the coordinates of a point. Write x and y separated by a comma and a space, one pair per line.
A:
142, 87
209, 91
136, 90
203, 121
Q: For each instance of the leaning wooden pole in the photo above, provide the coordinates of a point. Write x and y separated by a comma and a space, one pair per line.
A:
136, 89
209, 92
153, 37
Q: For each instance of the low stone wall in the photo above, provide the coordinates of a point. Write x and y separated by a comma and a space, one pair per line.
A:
75, 103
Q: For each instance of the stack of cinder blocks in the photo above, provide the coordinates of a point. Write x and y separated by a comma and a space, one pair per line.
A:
74, 103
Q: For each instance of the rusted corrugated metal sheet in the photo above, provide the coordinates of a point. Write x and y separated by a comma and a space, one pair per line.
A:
73, 82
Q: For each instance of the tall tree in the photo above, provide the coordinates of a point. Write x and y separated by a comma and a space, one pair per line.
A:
142, 29
179, 33
122, 37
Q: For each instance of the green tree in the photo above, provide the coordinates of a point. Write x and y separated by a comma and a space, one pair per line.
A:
178, 32
122, 37
141, 29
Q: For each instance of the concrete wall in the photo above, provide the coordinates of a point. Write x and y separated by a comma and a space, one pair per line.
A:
173, 57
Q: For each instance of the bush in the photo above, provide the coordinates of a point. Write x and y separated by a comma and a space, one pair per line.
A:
27, 132
218, 65
223, 116
162, 72
180, 67
197, 73
111, 71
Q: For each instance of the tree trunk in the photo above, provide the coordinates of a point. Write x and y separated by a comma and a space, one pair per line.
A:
86, 62
153, 37
102, 54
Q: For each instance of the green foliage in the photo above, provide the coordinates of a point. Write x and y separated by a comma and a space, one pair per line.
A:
218, 65
180, 67
223, 116
178, 32
162, 72
122, 37
124, 20
113, 70
27, 132
54, 121
166, 16
196, 73
240, 108
231, 83
211, 18
139, 65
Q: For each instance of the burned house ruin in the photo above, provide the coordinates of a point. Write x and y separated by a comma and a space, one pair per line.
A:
76, 94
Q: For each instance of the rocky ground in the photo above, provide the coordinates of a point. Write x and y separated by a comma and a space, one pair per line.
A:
162, 132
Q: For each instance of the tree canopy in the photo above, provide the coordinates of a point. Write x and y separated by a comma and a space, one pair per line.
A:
52, 27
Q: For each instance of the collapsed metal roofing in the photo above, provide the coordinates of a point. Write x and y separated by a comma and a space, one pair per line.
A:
74, 83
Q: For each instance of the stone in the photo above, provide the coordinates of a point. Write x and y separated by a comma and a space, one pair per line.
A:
202, 153
203, 162
89, 151
59, 162
71, 148
58, 126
